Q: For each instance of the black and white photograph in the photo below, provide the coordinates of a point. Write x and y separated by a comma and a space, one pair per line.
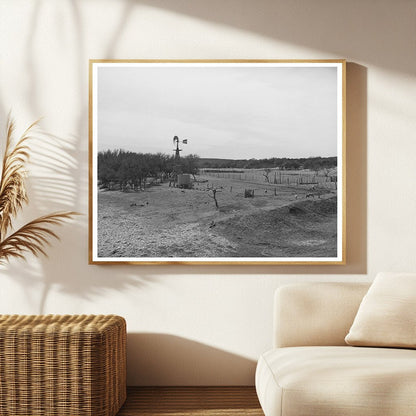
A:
217, 162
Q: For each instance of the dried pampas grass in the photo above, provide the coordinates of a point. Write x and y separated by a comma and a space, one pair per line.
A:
34, 236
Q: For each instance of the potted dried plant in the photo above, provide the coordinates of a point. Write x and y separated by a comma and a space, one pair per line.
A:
34, 236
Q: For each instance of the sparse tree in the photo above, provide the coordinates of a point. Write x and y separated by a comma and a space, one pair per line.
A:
213, 195
266, 174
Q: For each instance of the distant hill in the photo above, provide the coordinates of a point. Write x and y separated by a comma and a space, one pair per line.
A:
313, 163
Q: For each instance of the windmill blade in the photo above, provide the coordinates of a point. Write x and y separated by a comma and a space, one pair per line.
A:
175, 139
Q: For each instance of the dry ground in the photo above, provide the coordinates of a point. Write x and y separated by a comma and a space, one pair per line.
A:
163, 221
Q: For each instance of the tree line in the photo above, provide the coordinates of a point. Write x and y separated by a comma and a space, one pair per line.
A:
284, 163
124, 167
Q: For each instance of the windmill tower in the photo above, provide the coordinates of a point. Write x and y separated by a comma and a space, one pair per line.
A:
177, 150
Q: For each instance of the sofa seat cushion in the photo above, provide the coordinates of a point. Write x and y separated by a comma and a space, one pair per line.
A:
305, 381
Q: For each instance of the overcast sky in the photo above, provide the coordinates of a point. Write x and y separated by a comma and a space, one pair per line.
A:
224, 112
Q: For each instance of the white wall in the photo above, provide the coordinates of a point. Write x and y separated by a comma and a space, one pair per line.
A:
204, 325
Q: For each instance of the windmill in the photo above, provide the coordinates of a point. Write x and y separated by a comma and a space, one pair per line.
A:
177, 150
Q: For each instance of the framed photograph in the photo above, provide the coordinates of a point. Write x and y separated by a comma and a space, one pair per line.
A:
217, 162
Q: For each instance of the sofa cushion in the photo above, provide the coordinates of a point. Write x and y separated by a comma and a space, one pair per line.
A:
387, 314
315, 314
342, 381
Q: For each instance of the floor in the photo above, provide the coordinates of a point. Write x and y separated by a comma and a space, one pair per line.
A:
195, 401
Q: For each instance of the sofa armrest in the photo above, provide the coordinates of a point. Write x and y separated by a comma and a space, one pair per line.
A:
315, 313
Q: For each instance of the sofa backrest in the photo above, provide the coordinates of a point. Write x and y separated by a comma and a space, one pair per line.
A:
309, 314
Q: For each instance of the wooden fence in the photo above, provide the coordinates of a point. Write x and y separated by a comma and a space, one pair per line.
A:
277, 177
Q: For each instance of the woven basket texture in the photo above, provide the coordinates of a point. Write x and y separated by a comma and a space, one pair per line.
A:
62, 365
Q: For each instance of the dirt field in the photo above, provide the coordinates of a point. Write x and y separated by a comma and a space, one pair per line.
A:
164, 221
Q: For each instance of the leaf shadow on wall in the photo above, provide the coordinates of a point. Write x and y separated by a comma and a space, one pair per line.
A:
164, 359
53, 187
338, 28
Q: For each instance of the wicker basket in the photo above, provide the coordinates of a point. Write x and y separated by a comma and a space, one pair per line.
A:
72, 365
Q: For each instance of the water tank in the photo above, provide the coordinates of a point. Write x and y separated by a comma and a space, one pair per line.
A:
184, 180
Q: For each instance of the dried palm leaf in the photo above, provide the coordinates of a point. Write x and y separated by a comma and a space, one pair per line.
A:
12, 183
33, 237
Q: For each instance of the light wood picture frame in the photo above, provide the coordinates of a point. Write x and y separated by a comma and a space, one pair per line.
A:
217, 162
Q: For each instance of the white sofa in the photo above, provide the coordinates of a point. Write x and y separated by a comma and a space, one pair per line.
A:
311, 371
